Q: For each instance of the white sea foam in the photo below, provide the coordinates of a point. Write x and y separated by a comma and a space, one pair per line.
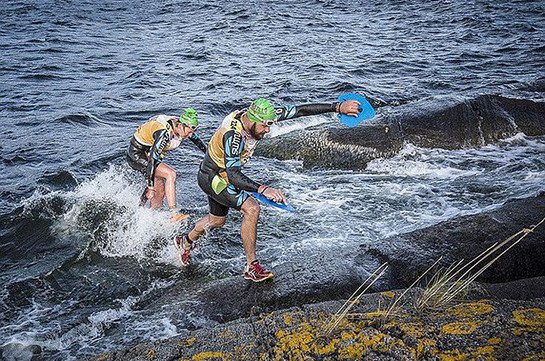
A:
122, 228
46, 334
290, 126
413, 161
417, 188
161, 328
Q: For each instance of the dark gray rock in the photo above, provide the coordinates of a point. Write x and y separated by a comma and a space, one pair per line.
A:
321, 278
454, 123
336, 148
410, 254
525, 289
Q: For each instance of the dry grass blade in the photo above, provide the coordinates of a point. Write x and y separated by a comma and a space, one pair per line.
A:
350, 299
436, 292
465, 283
392, 306
446, 287
341, 313
480, 258
438, 281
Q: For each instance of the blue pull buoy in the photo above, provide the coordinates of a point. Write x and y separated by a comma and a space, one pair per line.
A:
365, 111
267, 201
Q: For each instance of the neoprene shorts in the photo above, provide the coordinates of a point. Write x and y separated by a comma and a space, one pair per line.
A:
219, 204
136, 156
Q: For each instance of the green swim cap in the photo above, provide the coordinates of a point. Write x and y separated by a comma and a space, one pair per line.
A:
189, 117
261, 110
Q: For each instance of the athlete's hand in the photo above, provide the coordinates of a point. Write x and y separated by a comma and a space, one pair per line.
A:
349, 107
275, 195
150, 193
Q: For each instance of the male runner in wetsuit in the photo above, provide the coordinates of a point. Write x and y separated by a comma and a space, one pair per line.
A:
148, 146
221, 178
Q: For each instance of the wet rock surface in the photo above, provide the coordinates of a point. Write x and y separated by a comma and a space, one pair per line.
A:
446, 122
454, 123
333, 280
335, 148
310, 280
410, 254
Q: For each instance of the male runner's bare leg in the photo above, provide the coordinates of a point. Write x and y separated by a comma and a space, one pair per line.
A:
248, 229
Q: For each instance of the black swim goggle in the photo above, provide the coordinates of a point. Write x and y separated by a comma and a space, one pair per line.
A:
267, 122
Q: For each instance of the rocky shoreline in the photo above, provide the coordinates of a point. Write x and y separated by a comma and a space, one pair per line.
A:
410, 254
285, 319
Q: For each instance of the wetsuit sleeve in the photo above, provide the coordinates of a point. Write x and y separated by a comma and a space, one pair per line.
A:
234, 144
156, 154
198, 142
296, 111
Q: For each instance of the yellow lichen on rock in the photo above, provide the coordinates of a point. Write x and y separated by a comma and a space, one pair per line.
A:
423, 345
186, 343
530, 317
304, 341
327, 349
532, 320
211, 355
355, 345
150, 354
494, 341
288, 319
460, 328
389, 294
294, 343
470, 309
453, 355
226, 334
485, 353
415, 329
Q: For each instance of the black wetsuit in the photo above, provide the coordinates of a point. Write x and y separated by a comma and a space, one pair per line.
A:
229, 149
145, 157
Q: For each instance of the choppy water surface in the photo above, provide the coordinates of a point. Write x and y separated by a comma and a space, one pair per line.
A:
82, 264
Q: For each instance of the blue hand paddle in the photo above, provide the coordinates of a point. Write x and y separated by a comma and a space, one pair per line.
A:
365, 111
268, 202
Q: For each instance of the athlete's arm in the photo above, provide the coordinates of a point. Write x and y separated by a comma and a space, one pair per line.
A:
156, 154
296, 111
349, 107
234, 144
198, 142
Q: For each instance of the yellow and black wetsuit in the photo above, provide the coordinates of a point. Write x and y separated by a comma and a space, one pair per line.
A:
231, 147
151, 141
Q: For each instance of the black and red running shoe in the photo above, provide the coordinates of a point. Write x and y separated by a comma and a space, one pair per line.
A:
184, 247
256, 272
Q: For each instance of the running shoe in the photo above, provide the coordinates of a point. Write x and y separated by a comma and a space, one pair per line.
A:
184, 247
256, 272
